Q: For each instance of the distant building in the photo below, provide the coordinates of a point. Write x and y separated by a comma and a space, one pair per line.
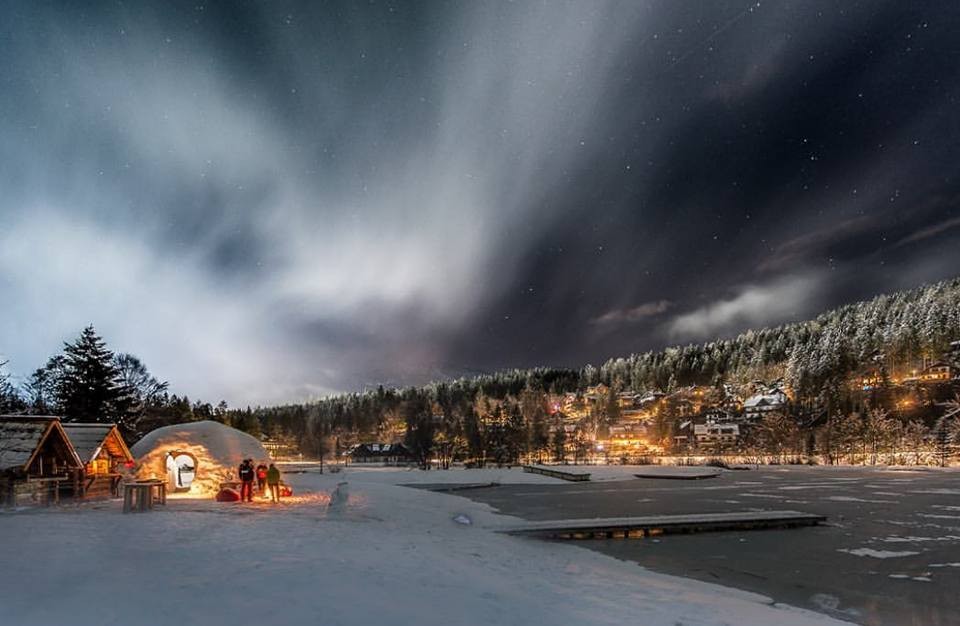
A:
716, 435
710, 435
938, 372
718, 415
386, 453
756, 406
282, 449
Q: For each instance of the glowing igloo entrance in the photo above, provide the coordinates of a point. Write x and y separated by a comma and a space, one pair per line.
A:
181, 470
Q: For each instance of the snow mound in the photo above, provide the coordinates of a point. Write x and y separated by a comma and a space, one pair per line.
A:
218, 450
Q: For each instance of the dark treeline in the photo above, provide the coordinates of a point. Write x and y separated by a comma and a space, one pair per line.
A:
815, 358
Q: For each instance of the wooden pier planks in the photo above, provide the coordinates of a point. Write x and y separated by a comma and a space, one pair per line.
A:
635, 527
554, 473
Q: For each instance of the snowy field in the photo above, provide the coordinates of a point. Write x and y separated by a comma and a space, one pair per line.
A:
391, 553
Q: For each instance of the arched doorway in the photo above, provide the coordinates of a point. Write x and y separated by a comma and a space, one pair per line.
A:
181, 470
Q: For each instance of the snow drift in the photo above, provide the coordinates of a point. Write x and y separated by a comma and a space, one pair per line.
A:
217, 449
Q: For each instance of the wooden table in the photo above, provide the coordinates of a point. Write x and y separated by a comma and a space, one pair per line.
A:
138, 496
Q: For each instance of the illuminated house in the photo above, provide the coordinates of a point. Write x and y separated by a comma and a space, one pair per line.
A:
756, 406
937, 373
709, 436
38, 464
103, 452
714, 435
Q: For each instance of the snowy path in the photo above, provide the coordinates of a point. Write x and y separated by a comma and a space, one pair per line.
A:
395, 552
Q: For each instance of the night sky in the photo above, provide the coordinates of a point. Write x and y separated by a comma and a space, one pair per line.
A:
270, 202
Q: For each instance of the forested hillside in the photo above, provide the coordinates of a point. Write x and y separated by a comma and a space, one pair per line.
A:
811, 356
517, 411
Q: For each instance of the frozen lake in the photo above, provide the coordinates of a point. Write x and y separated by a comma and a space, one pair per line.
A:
889, 554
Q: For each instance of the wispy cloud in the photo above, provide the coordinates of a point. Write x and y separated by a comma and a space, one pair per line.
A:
818, 241
233, 228
752, 305
930, 231
633, 315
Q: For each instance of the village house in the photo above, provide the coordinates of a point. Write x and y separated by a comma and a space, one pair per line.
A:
938, 372
597, 393
386, 453
103, 453
282, 449
38, 464
758, 405
716, 436
718, 415
709, 436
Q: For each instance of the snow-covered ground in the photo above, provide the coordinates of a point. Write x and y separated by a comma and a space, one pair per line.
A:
392, 555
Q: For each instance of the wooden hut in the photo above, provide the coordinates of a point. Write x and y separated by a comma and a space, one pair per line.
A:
103, 452
38, 464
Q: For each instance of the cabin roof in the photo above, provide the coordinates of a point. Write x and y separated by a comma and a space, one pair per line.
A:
21, 437
379, 449
89, 439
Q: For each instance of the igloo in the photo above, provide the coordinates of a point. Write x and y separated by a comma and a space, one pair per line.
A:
197, 457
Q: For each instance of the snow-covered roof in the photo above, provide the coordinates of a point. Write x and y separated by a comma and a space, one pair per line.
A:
766, 399
379, 449
88, 439
21, 436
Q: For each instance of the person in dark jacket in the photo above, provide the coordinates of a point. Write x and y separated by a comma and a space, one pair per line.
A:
262, 480
247, 474
273, 479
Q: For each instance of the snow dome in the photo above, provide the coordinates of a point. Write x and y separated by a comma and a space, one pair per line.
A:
196, 457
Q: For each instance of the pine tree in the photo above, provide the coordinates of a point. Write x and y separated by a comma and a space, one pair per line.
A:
91, 389
559, 442
517, 434
421, 428
42, 387
10, 400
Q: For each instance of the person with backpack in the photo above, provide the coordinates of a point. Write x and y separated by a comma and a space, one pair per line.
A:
273, 479
246, 473
262, 480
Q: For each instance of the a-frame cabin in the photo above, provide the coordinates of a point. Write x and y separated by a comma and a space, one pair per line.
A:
103, 452
38, 464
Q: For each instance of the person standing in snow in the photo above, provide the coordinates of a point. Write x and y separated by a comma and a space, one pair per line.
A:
273, 479
246, 473
262, 480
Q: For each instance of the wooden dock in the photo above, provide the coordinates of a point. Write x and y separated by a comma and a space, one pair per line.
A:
555, 473
455, 487
639, 527
678, 476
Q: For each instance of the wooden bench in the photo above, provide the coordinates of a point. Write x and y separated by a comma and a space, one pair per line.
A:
553, 473
139, 496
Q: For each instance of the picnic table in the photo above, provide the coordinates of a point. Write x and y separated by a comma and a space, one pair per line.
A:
140, 495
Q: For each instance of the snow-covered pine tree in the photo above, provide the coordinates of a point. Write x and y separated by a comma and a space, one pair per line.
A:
91, 389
